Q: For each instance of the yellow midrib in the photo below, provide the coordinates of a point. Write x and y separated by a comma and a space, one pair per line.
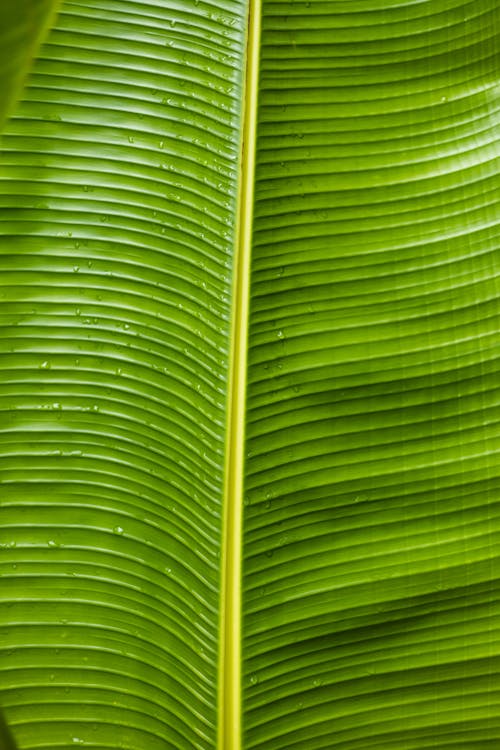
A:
229, 728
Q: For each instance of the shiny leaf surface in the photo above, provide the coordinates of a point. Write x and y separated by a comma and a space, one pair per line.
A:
369, 551
119, 182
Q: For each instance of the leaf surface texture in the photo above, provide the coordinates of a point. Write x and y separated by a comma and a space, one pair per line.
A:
370, 530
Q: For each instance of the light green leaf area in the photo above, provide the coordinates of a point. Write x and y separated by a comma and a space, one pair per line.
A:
370, 593
23, 24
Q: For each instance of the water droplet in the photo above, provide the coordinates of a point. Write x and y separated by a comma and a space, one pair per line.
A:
254, 679
95, 407
76, 269
52, 543
118, 530
45, 365
280, 334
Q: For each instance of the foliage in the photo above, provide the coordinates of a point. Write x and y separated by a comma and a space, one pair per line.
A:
370, 529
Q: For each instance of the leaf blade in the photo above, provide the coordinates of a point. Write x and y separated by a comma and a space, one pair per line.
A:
372, 418
118, 191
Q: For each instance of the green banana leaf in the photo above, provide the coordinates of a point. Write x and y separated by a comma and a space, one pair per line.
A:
249, 383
